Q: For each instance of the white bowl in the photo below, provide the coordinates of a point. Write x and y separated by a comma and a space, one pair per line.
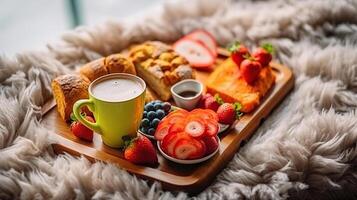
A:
221, 127
188, 162
188, 103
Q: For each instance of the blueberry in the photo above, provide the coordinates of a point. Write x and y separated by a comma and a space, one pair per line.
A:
145, 114
151, 115
158, 106
160, 114
149, 107
145, 123
156, 101
151, 131
166, 106
144, 130
154, 123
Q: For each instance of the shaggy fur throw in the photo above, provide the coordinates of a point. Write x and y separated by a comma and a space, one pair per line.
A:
306, 149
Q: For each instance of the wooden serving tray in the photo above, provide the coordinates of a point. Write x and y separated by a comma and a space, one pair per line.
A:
188, 178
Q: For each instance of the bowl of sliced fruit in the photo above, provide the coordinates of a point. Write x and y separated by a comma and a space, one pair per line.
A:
188, 137
154, 112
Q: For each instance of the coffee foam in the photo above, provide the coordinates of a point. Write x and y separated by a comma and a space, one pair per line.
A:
117, 89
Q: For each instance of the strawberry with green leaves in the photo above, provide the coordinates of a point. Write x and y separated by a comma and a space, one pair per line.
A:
263, 54
140, 151
81, 131
250, 70
238, 52
228, 113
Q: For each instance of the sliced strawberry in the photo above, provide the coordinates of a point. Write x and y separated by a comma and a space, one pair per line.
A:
180, 112
195, 127
169, 142
175, 116
204, 113
201, 149
177, 127
211, 127
196, 54
184, 149
211, 144
211, 114
162, 130
206, 39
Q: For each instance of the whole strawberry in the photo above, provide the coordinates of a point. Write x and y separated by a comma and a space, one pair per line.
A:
211, 103
227, 113
250, 70
263, 54
141, 151
238, 52
81, 131
201, 103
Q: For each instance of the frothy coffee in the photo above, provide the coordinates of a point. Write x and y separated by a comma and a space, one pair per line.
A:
117, 89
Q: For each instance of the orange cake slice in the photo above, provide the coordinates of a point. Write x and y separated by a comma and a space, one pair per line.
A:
227, 82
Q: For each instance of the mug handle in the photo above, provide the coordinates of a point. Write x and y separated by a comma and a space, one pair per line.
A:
77, 112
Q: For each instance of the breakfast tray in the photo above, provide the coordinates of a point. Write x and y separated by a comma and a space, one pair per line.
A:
177, 177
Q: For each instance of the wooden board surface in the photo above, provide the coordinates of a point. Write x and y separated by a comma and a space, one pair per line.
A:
188, 178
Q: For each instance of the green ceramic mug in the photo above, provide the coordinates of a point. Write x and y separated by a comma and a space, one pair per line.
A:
117, 102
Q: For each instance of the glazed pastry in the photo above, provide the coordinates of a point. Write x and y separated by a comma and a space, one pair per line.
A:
228, 83
160, 67
67, 89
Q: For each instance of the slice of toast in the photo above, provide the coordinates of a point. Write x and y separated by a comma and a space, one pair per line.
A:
228, 83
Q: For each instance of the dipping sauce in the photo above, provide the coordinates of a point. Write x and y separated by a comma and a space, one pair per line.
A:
187, 94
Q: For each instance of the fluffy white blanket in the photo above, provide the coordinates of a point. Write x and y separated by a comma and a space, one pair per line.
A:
305, 149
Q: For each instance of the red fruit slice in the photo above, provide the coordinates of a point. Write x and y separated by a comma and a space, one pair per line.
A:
195, 127
201, 149
175, 116
206, 39
162, 130
167, 140
198, 56
211, 127
204, 113
180, 112
184, 149
211, 144
177, 127
170, 140
211, 114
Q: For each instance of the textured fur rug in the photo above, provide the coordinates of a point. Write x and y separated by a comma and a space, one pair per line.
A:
306, 149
